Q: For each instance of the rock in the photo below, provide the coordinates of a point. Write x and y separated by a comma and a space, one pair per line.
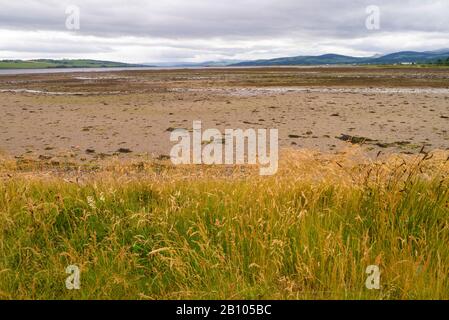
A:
124, 150
163, 157
354, 139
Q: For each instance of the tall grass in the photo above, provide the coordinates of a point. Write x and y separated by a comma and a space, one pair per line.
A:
151, 231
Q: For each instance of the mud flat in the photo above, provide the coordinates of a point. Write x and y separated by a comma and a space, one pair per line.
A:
90, 116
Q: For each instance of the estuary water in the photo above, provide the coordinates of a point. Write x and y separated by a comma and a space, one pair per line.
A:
74, 70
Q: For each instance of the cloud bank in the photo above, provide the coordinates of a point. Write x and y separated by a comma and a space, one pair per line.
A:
201, 30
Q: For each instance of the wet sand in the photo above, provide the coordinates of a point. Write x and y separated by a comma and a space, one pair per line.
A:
84, 117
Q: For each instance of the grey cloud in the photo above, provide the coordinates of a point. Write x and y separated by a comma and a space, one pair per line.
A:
227, 28
243, 18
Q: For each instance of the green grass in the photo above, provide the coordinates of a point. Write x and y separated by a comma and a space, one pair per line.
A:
25, 65
150, 231
49, 63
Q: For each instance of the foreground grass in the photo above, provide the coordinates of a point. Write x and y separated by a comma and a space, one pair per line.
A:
150, 231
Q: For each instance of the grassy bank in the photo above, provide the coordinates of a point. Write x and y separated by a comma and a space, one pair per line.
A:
146, 230
64, 63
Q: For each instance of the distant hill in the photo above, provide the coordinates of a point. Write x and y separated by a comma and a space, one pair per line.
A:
411, 57
304, 60
326, 59
332, 59
50, 63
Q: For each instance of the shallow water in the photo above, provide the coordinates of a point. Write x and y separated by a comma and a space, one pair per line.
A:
67, 70
51, 93
75, 70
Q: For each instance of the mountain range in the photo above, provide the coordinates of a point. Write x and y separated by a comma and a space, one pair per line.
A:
402, 57
326, 59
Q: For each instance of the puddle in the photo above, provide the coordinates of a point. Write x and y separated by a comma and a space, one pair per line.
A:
100, 78
52, 93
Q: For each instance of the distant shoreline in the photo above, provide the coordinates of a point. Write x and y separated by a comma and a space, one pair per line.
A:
149, 68
73, 67
21, 71
8, 71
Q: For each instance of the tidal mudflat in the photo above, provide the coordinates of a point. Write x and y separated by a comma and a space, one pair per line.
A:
85, 117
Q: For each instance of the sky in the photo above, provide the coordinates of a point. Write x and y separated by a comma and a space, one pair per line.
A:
139, 31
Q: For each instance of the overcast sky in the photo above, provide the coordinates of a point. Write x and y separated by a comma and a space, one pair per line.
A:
203, 30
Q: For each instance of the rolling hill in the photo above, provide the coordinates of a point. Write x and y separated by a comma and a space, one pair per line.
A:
50, 63
332, 59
